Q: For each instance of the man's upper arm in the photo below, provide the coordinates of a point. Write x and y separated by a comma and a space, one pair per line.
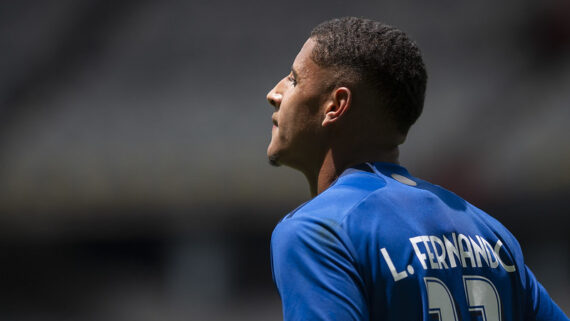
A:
315, 273
541, 306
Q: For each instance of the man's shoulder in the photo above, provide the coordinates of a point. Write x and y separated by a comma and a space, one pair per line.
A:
319, 223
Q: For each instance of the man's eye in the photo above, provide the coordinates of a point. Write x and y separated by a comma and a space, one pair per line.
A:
292, 80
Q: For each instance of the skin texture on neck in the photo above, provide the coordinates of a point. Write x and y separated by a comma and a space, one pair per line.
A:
334, 164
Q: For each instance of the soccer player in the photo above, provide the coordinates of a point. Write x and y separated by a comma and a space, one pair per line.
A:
374, 242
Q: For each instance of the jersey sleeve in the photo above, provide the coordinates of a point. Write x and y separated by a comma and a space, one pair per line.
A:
541, 306
315, 273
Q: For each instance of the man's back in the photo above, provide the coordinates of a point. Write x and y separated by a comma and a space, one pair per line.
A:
380, 244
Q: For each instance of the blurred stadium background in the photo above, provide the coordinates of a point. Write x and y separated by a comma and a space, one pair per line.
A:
133, 178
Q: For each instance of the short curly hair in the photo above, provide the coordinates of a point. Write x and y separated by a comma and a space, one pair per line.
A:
380, 55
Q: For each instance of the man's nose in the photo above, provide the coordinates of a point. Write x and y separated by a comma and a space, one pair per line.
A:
274, 97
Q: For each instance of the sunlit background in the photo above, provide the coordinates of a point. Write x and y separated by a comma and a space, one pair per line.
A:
133, 178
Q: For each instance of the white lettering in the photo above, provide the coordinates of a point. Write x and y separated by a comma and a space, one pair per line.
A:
445, 252
451, 249
508, 268
478, 250
490, 254
432, 263
439, 256
465, 249
419, 254
395, 274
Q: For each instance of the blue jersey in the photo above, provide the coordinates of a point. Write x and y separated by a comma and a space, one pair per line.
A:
379, 244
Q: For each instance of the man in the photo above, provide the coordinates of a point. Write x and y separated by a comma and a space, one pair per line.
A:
376, 243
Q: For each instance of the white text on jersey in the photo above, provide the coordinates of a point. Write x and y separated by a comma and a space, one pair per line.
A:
446, 252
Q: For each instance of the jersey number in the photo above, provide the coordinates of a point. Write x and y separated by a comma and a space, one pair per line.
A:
482, 298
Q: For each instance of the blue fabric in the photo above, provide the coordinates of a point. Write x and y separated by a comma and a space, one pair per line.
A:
375, 246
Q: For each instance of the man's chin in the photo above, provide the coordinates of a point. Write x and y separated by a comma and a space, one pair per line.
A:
274, 160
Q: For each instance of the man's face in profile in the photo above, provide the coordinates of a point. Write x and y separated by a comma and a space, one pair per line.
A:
296, 135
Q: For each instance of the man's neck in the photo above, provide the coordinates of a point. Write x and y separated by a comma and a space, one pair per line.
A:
334, 165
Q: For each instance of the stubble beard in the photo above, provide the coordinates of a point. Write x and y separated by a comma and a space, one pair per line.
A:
274, 160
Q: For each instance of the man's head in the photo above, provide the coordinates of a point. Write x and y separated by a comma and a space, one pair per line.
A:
377, 55
354, 79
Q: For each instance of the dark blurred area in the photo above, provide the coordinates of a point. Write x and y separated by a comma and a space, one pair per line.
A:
133, 178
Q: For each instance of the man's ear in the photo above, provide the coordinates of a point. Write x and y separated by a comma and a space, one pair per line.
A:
337, 106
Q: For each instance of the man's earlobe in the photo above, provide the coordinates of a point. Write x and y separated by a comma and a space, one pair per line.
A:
340, 102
